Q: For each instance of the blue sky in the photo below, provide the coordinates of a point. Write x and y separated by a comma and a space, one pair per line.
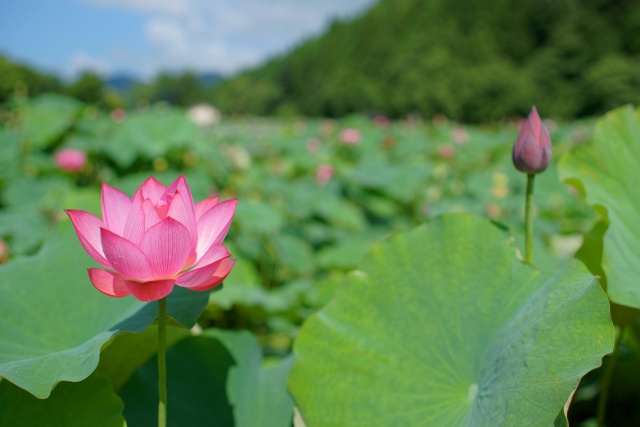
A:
141, 37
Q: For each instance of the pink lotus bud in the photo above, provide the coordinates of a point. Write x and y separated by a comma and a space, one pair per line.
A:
155, 240
324, 174
532, 150
70, 160
350, 136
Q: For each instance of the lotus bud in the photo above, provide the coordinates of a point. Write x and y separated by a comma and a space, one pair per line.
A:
532, 150
70, 160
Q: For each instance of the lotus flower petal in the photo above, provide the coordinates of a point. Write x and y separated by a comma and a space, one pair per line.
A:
125, 257
166, 246
115, 208
214, 225
135, 225
180, 186
151, 216
183, 212
216, 252
151, 189
87, 228
108, 283
207, 277
150, 291
203, 206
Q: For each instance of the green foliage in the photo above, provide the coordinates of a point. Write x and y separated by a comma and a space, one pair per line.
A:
182, 89
49, 304
21, 79
90, 402
606, 168
88, 87
214, 379
296, 236
471, 60
444, 326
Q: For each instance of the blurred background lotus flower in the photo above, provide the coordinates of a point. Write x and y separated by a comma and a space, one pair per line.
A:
350, 136
446, 151
532, 150
204, 115
155, 240
324, 174
70, 160
460, 136
381, 120
118, 115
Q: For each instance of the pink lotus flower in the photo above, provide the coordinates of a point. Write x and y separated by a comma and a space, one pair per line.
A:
70, 160
350, 136
324, 174
155, 240
532, 150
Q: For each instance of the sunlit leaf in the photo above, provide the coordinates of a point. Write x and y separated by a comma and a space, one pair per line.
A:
608, 169
91, 402
443, 326
54, 322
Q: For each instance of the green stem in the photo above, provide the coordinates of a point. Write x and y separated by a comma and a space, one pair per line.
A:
606, 379
162, 362
528, 221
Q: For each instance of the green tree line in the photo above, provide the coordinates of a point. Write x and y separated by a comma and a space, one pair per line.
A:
180, 88
468, 59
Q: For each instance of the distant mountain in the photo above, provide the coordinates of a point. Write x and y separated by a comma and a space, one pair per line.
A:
121, 83
209, 79
468, 59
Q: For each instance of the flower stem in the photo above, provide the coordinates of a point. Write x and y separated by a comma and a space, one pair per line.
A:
528, 221
162, 362
606, 379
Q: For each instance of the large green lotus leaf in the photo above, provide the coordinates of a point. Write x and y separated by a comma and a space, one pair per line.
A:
608, 169
150, 134
400, 182
443, 326
294, 254
197, 371
54, 322
23, 228
216, 379
129, 351
47, 117
91, 402
258, 394
258, 217
10, 164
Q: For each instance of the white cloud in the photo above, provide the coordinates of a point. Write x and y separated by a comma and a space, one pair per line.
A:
227, 35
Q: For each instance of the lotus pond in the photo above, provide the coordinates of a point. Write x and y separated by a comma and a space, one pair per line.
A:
379, 278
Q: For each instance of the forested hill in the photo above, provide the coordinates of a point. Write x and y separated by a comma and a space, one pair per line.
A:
468, 59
